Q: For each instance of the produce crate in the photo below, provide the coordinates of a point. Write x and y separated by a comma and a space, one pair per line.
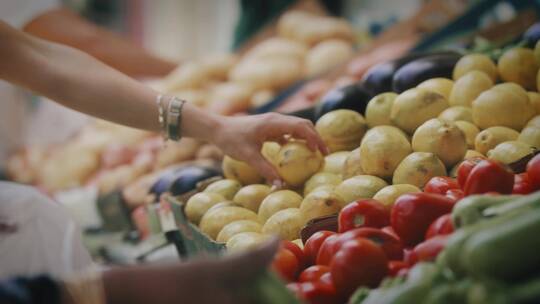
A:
190, 242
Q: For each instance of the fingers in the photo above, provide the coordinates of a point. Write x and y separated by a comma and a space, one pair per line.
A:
265, 168
307, 132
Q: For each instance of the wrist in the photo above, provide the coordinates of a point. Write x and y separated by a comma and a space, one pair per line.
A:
199, 124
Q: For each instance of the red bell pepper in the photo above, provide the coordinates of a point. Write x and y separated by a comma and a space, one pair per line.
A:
390, 244
328, 249
533, 171
299, 253
441, 226
428, 250
313, 273
286, 264
390, 230
359, 262
395, 266
522, 184
412, 214
440, 185
465, 168
489, 175
313, 245
363, 213
455, 194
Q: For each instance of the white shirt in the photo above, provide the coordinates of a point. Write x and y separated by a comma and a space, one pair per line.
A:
24, 119
46, 239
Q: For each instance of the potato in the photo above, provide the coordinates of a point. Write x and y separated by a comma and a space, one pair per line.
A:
489, 138
230, 98
198, 204
189, 75
530, 135
286, 224
333, 163
225, 187
418, 168
468, 87
311, 29
277, 47
382, 149
197, 97
341, 130
274, 73
321, 179
245, 241
217, 66
214, 220
518, 65
470, 131
441, 86
510, 151
276, 201
237, 227
534, 98
251, 196
359, 187
389, 194
295, 162
327, 55
320, 203
352, 165
443, 138
240, 171
475, 62
379, 108
414, 107
261, 98
456, 113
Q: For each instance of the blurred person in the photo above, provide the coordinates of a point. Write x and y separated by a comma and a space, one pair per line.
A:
200, 281
25, 121
79, 81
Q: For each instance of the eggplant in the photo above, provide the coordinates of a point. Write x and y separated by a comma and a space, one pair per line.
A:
353, 97
307, 113
532, 34
378, 79
181, 180
187, 178
419, 70
164, 182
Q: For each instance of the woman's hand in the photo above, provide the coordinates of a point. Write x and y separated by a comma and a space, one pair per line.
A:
242, 137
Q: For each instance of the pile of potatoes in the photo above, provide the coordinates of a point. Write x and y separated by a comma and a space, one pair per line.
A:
306, 45
402, 142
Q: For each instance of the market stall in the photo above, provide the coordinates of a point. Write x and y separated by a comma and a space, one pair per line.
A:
428, 193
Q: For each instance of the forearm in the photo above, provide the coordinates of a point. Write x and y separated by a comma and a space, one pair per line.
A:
80, 82
65, 27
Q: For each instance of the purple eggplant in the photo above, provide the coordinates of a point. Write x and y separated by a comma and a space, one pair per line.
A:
378, 79
532, 35
353, 97
181, 180
419, 70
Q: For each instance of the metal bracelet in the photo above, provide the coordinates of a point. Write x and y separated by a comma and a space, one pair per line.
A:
161, 116
174, 118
